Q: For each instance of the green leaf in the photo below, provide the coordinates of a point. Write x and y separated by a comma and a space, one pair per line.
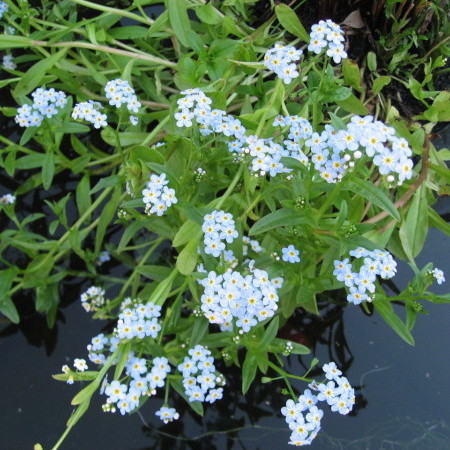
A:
78, 414
106, 216
8, 308
208, 14
373, 194
146, 154
128, 32
437, 221
8, 41
414, 229
126, 138
353, 105
372, 61
179, 20
129, 232
155, 273
386, 311
110, 181
86, 393
352, 77
187, 231
48, 169
33, 77
249, 370
290, 22
187, 259
123, 358
306, 298
380, 83
269, 334
162, 291
297, 349
72, 127
281, 218
82, 195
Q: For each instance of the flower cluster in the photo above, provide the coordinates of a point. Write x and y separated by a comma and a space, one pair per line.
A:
304, 417
126, 396
199, 377
361, 283
280, 59
232, 299
92, 299
119, 92
438, 275
8, 62
196, 105
91, 112
328, 35
290, 254
331, 150
138, 320
157, 195
218, 227
7, 199
46, 103
3, 8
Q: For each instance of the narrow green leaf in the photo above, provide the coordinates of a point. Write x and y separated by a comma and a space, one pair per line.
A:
106, 216
187, 259
110, 181
129, 232
146, 154
123, 358
248, 371
162, 291
269, 334
78, 414
33, 77
290, 22
179, 20
282, 217
208, 14
353, 105
414, 229
373, 194
8, 41
352, 77
437, 221
380, 83
48, 169
86, 393
82, 195
8, 308
386, 311
187, 231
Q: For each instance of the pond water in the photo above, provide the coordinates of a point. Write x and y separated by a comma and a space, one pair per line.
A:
403, 395
403, 392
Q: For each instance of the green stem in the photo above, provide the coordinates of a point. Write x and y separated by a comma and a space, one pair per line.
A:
230, 187
118, 12
271, 102
106, 49
140, 264
330, 199
284, 376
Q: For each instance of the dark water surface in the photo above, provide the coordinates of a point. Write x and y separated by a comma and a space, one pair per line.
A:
406, 391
